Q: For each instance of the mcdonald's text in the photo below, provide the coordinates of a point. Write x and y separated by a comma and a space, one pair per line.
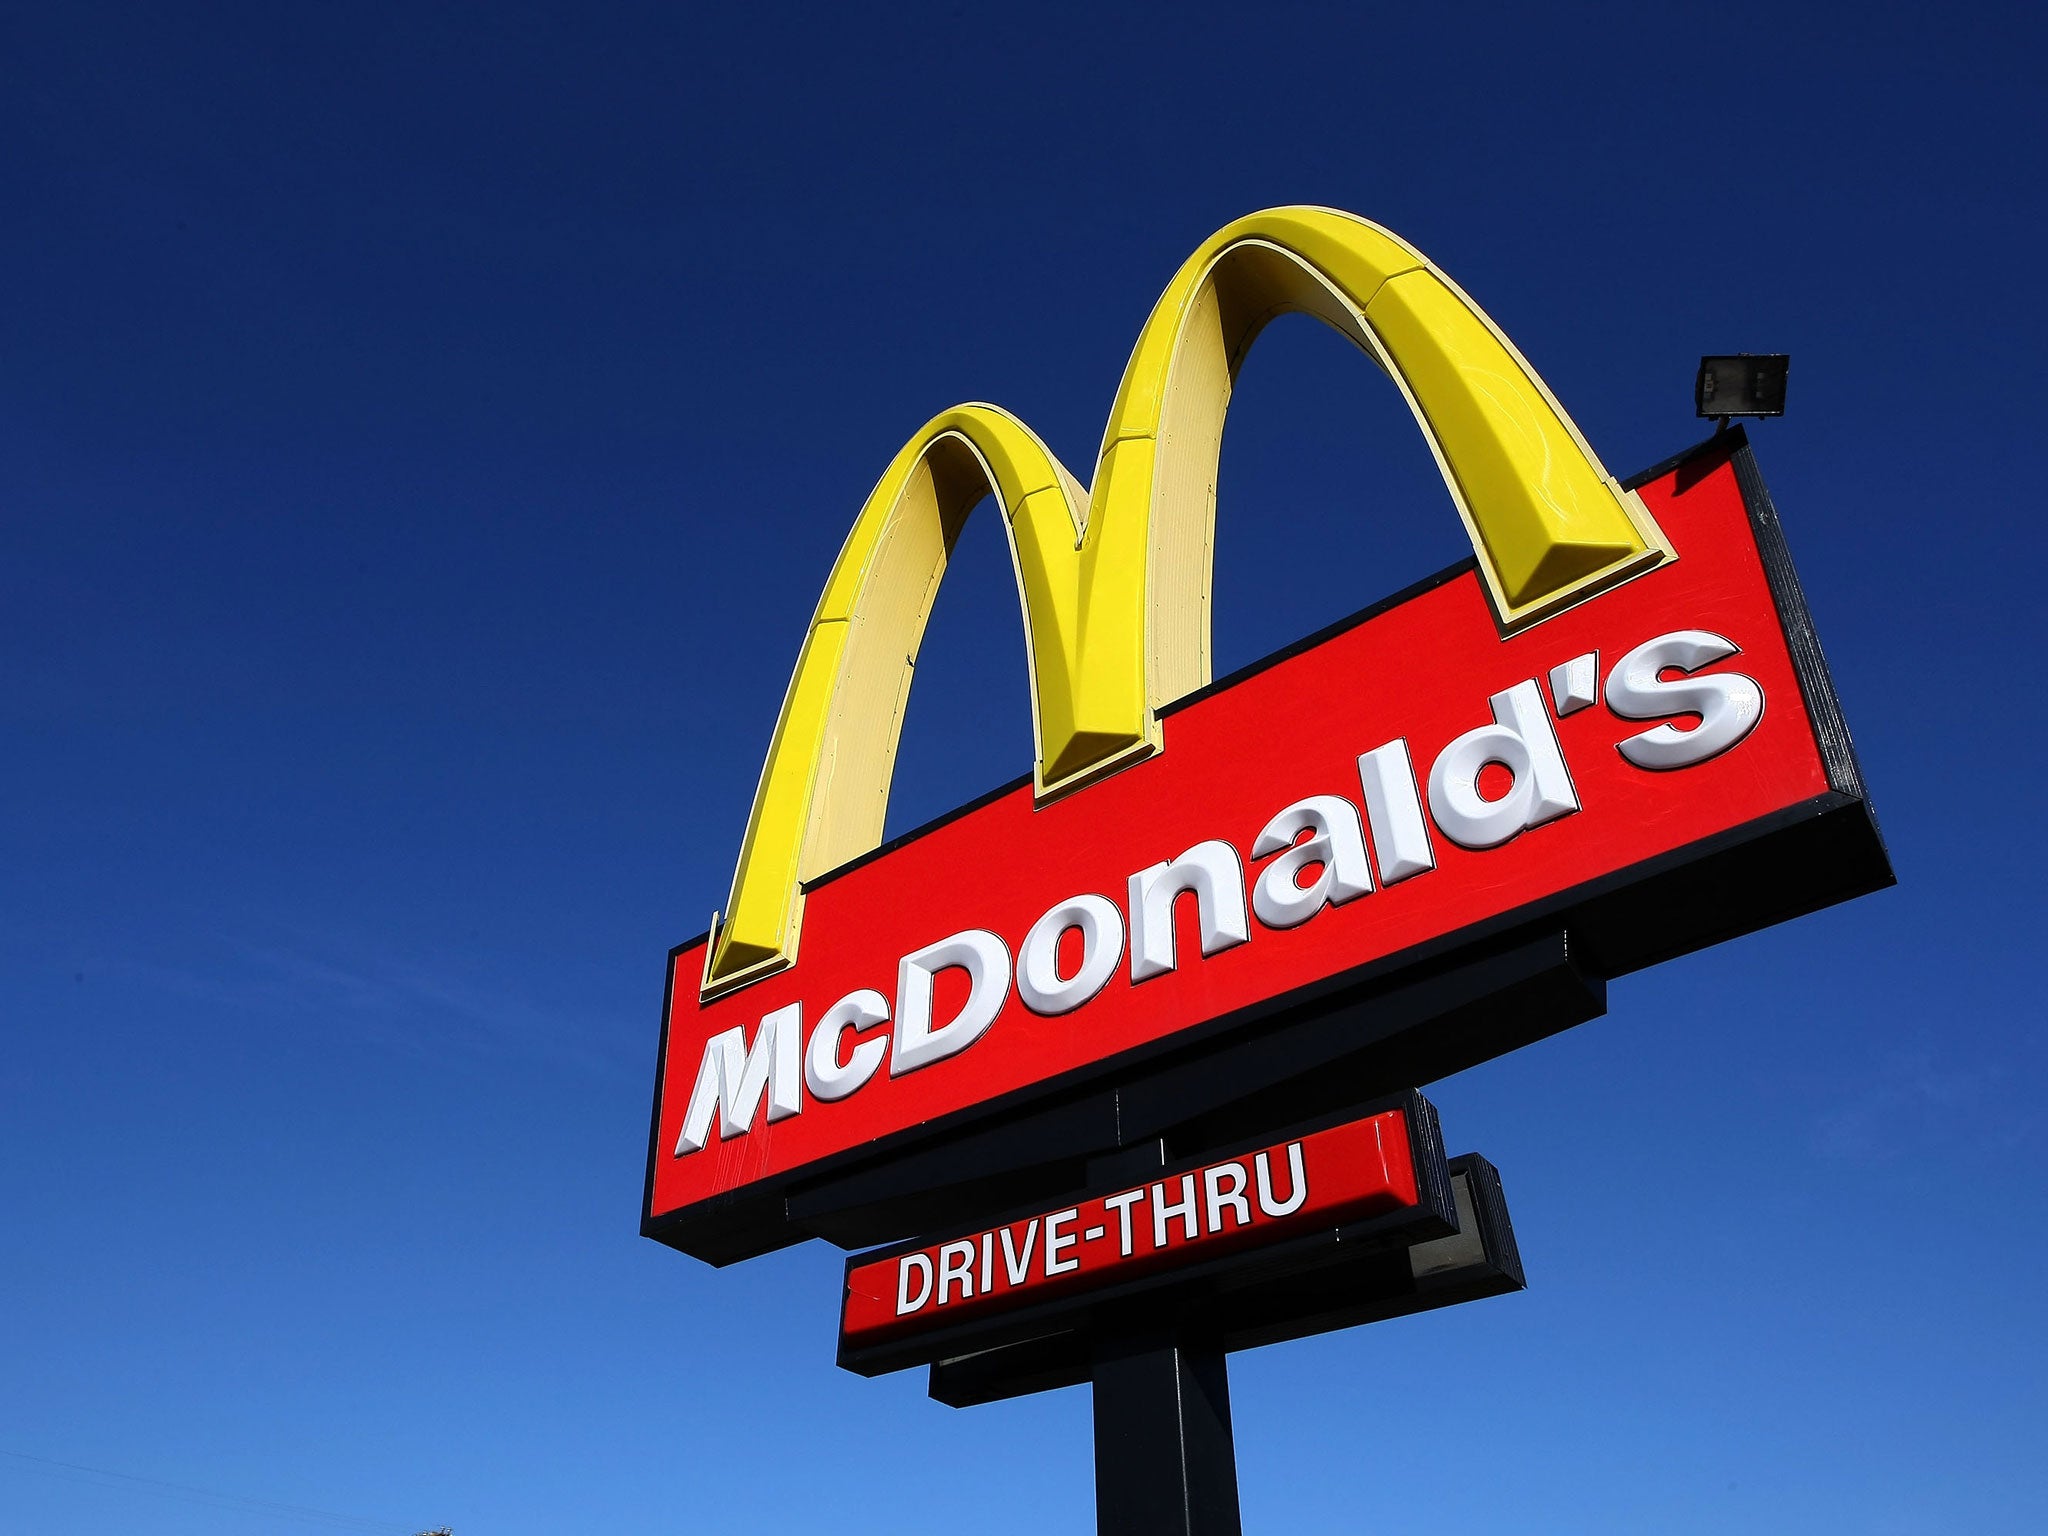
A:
1311, 856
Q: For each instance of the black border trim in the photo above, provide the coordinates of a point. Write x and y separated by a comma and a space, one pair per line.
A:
1809, 665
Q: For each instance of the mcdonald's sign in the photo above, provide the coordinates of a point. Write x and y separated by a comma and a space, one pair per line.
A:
1608, 737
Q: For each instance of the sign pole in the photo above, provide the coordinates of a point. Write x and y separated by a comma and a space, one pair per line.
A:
1165, 1464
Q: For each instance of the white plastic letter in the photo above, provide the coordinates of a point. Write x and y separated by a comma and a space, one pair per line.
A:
956, 1263
1017, 1265
1218, 1197
731, 1079
1055, 1244
1163, 1213
1728, 704
1575, 684
1121, 1203
987, 964
1522, 741
1336, 843
1393, 809
1212, 871
1297, 1188
1039, 983
923, 1262
824, 1074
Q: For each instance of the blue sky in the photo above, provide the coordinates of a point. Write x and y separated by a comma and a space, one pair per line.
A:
423, 434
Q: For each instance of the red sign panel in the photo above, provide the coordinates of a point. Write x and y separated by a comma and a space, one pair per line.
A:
1323, 1179
1402, 781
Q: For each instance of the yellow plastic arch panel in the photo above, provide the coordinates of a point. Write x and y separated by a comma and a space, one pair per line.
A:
1115, 583
824, 791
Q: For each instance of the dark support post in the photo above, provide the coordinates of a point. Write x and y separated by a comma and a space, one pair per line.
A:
1165, 1464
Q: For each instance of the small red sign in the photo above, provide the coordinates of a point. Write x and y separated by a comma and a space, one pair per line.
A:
1324, 1179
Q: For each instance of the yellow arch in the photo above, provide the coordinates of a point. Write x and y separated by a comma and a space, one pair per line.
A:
1115, 583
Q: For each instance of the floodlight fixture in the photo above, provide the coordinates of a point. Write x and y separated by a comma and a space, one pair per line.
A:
1742, 384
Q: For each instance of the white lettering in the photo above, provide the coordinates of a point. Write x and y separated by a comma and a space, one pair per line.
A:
1335, 847
1728, 704
1575, 684
1163, 1213
731, 1079
1212, 871
1213, 1179
825, 1074
1522, 741
1017, 1265
1298, 1183
1056, 1244
956, 1263
987, 964
1039, 984
923, 1264
1320, 833
1393, 809
1121, 1204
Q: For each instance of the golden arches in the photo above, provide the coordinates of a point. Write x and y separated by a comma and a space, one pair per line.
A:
1115, 582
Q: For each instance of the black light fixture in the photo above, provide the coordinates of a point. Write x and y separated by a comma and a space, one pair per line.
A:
1743, 384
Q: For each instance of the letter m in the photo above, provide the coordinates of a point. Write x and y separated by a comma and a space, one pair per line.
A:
732, 1078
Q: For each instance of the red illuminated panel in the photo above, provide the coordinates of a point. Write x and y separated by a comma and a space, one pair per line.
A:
1658, 719
1316, 1181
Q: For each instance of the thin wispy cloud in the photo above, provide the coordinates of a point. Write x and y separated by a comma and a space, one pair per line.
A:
1897, 1105
357, 987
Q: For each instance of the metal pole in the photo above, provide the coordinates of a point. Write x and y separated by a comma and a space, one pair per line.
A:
1165, 1463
